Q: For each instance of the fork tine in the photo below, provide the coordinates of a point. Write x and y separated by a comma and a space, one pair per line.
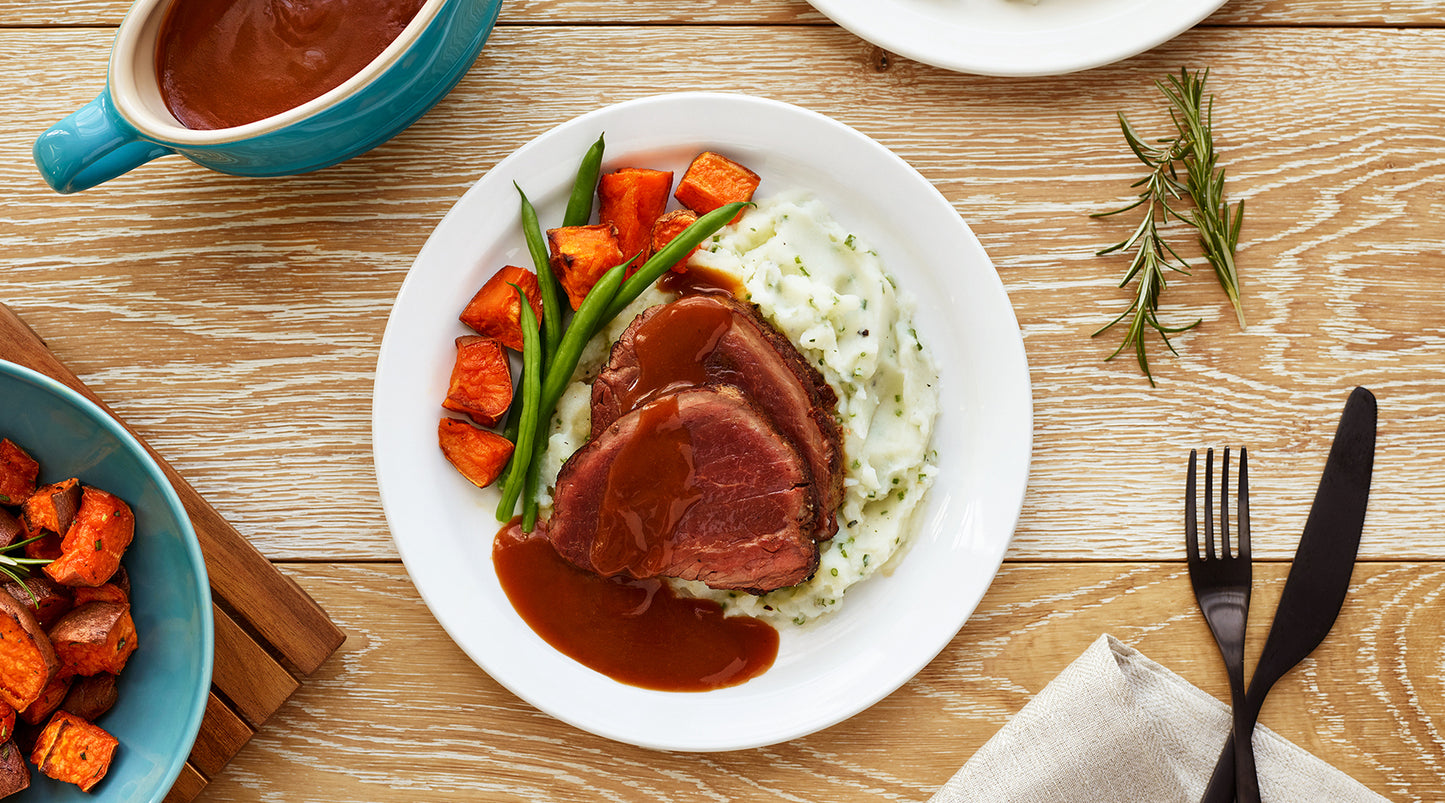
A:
1191, 527
1224, 506
1243, 501
1209, 505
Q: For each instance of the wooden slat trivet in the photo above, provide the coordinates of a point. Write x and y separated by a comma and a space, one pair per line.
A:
269, 632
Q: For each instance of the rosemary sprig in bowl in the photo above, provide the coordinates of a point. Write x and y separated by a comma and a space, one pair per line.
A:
18, 568
1209, 213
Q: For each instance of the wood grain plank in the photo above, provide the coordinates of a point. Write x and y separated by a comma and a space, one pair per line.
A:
188, 786
405, 715
775, 12
252, 681
222, 736
233, 321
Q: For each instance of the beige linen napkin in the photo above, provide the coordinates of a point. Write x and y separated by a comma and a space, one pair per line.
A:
1115, 726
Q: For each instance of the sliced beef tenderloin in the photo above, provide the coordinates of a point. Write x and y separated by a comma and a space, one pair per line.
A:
696, 484
714, 339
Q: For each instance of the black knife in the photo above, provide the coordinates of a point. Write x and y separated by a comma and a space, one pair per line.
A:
1317, 582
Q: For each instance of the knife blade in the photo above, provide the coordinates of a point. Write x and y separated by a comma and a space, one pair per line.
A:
1317, 582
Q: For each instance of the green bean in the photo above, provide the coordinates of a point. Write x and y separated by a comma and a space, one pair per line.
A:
558, 374
579, 206
514, 419
510, 431
579, 211
532, 480
546, 280
584, 325
701, 229
531, 393
552, 323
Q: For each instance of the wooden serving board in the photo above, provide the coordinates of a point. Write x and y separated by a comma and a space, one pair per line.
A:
270, 634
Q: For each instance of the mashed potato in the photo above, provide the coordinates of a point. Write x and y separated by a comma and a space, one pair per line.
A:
825, 290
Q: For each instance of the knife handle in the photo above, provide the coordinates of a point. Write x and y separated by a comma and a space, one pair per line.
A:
1246, 782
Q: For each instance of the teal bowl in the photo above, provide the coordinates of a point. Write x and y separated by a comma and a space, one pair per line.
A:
129, 124
166, 683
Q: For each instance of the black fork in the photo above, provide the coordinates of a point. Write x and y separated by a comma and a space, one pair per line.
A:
1222, 581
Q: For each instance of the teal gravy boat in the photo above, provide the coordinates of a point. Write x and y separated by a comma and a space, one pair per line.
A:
129, 124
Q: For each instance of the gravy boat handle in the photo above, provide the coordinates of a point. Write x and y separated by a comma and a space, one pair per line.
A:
92, 145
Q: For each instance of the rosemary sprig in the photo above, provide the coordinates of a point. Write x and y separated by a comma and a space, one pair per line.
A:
1151, 251
1218, 228
18, 569
1210, 214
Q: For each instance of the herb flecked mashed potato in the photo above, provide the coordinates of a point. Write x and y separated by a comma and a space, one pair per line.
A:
831, 296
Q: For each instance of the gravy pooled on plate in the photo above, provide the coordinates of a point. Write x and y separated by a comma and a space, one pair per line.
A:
637, 632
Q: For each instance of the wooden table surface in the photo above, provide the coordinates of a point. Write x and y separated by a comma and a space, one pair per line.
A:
235, 323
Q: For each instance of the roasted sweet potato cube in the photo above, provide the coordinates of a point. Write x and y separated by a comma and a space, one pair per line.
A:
479, 454
481, 383
669, 226
495, 310
91, 696
580, 255
50, 699
14, 774
53, 507
27, 659
7, 722
121, 578
25, 735
18, 471
105, 592
632, 199
46, 599
73, 750
713, 180
90, 552
46, 545
95, 637
12, 528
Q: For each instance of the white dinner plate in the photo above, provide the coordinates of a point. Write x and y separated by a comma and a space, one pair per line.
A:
1017, 37
889, 627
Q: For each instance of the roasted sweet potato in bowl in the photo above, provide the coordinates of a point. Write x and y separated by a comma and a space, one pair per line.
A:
161, 692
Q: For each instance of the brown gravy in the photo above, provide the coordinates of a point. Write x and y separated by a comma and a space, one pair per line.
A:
224, 63
648, 490
634, 631
700, 281
672, 347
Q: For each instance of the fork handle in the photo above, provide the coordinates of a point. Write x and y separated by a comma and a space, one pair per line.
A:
1246, 780
1234, 775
